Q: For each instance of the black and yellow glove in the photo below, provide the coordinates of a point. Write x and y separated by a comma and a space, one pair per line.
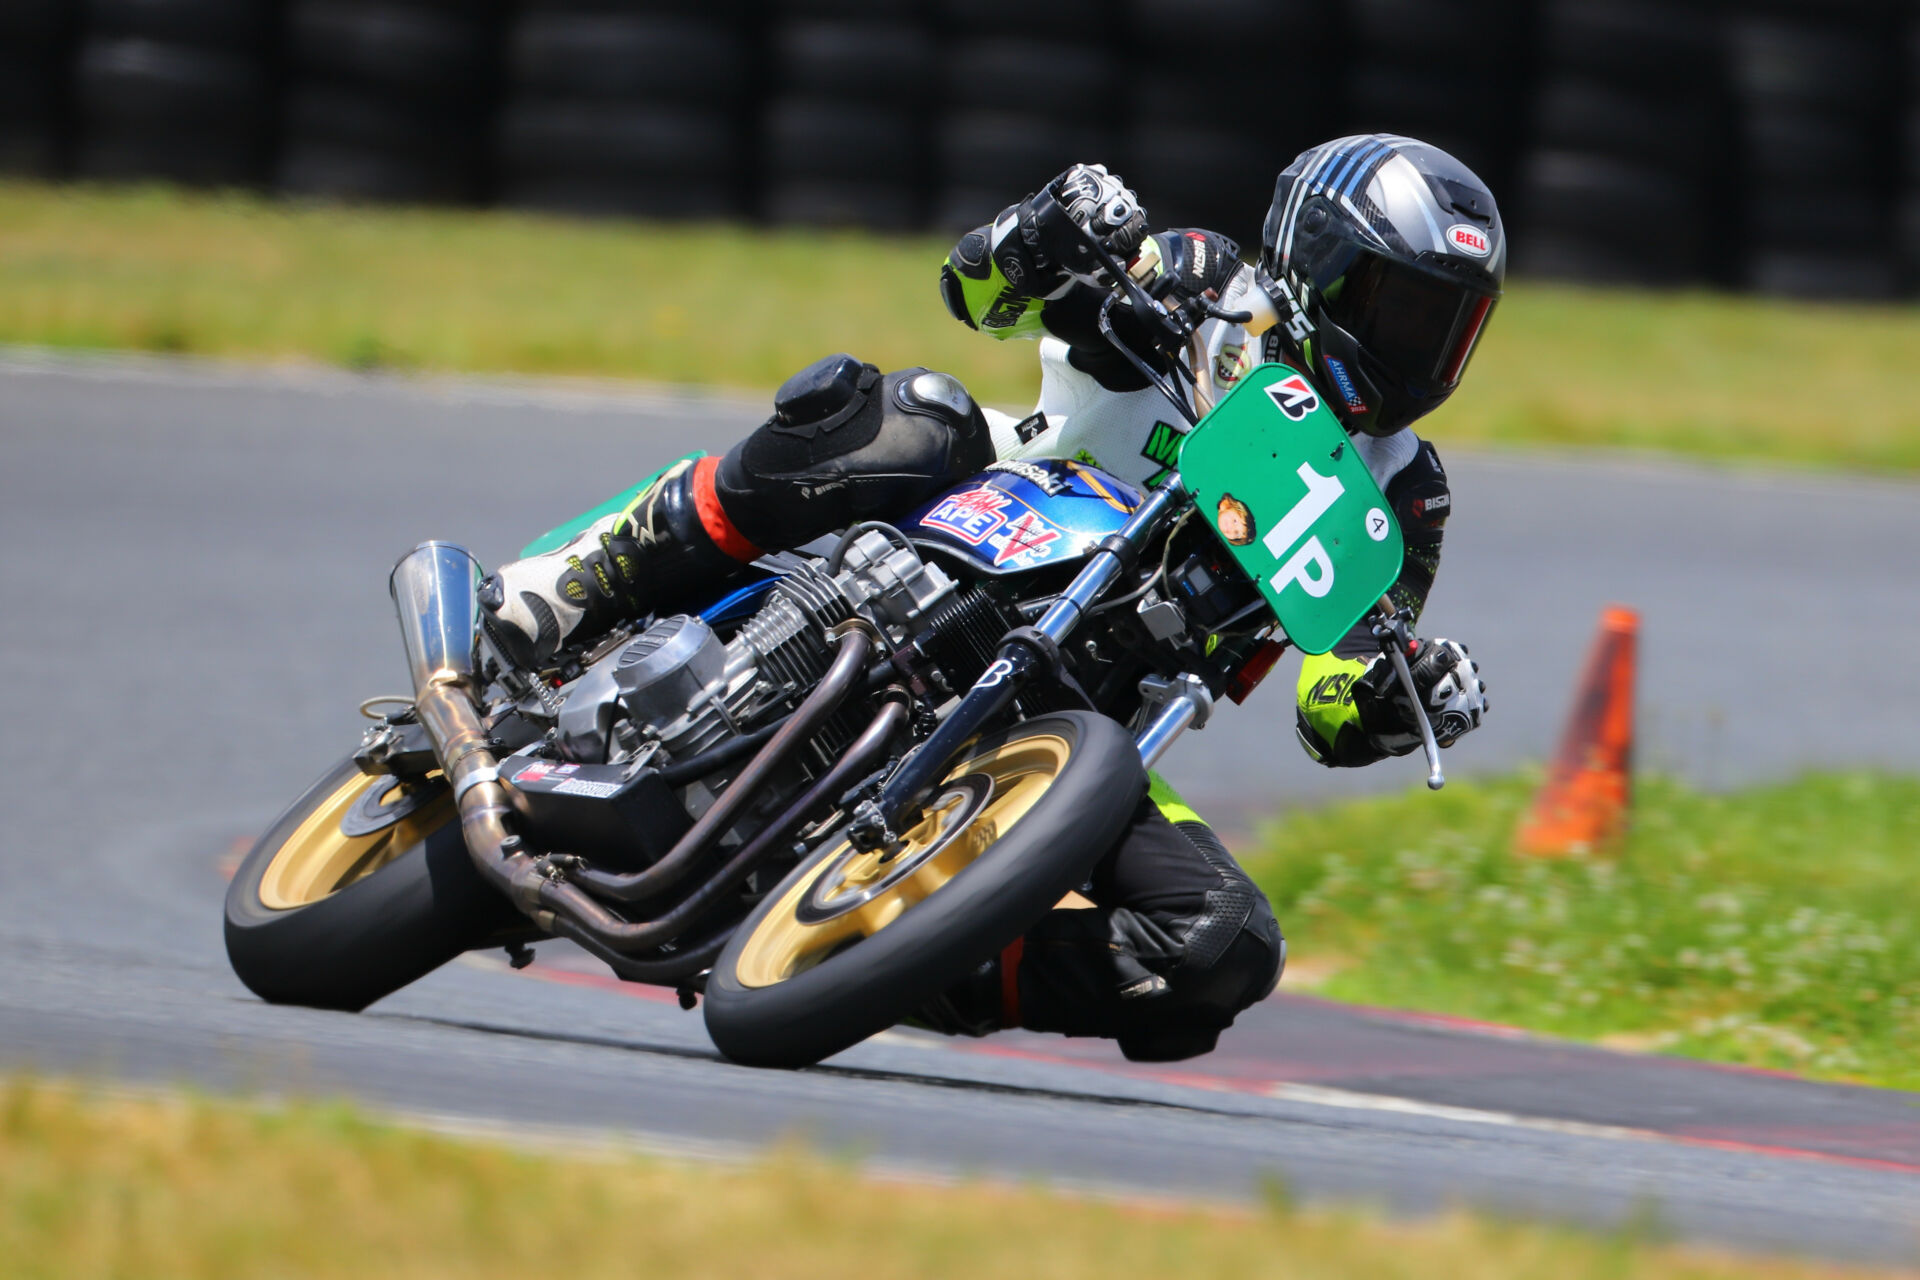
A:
1192, 264
1353, 712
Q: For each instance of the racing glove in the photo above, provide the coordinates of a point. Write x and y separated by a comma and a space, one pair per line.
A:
1449, 684
1047, 247
1179, 266
1102, 203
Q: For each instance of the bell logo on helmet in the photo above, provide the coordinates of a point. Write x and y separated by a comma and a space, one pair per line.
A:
1469, 240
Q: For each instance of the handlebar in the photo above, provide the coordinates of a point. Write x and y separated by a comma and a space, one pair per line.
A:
1172, 327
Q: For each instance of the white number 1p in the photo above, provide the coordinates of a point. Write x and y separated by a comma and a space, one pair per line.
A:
1322, 493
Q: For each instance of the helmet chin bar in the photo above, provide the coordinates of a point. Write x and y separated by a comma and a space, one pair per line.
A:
1334, 359
1355, 397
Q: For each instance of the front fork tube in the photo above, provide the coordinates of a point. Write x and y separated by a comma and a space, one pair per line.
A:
1173, 707
1032, 649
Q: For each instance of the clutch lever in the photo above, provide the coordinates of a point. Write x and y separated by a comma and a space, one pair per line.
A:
1176, 326
1157, 380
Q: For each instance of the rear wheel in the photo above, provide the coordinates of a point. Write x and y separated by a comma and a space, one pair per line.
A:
358, 889
853, 941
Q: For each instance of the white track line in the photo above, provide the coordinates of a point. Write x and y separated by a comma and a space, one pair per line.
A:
197, 372
1319, 1096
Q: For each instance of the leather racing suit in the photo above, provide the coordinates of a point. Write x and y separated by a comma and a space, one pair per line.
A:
1179, 939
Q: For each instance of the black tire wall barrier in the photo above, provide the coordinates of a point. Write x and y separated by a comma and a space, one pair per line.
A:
36, 58
177, 89
1766, 144
387, 99
626, 109
843, 128
1629, 170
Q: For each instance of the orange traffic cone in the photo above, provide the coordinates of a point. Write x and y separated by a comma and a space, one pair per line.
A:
1584, 802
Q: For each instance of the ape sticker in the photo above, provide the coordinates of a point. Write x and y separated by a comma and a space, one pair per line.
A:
1025, 535
1295, 397
972, 516
1230, 364
981, 518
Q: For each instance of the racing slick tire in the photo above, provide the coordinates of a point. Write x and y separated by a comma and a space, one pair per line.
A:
851, 942
336, 918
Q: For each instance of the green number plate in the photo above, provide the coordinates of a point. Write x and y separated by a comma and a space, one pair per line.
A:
1283, 486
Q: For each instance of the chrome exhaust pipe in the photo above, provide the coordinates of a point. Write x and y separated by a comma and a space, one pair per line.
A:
436, 593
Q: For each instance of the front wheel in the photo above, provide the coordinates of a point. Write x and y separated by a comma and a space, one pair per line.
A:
851, 942
358, 889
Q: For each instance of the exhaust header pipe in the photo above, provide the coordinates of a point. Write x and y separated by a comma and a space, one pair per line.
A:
436, 592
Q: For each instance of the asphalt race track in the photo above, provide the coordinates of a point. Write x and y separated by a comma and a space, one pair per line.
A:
193, 580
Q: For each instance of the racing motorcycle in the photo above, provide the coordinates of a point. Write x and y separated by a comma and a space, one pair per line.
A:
835, 791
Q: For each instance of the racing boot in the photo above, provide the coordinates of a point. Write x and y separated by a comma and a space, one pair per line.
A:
1083, 958
666, 546
978, 1005
845, 443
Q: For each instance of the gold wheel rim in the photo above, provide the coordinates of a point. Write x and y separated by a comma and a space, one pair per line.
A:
849, 896
317, 861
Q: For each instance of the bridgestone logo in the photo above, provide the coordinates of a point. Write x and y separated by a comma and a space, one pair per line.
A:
1295, 397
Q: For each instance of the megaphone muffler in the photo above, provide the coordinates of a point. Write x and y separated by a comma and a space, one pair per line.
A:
436, 593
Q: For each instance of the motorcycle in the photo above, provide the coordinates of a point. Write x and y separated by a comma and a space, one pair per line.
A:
835, 791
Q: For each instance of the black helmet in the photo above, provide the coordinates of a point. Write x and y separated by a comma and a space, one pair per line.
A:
1394, 255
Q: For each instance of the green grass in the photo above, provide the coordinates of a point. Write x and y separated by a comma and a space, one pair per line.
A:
148, 269
1774, 926
152, 269
102, 1188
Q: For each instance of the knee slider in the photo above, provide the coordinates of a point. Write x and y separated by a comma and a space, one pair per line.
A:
847, 443
824, 396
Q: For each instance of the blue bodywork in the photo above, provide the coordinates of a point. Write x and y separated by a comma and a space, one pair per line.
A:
735, 605
1013, 517
1030, 514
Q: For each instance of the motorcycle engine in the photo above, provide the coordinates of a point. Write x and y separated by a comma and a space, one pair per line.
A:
677, 689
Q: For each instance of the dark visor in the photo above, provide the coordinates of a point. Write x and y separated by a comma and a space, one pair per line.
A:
1419, 327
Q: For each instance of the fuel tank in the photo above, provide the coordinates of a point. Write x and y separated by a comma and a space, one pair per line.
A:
1022, 515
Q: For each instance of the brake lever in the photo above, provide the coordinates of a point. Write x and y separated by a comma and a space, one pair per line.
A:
1390, 628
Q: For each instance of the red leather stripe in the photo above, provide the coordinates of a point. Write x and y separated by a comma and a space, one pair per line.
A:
1010, 982
713, 517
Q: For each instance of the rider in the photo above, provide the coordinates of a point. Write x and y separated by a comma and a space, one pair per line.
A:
1381, 257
